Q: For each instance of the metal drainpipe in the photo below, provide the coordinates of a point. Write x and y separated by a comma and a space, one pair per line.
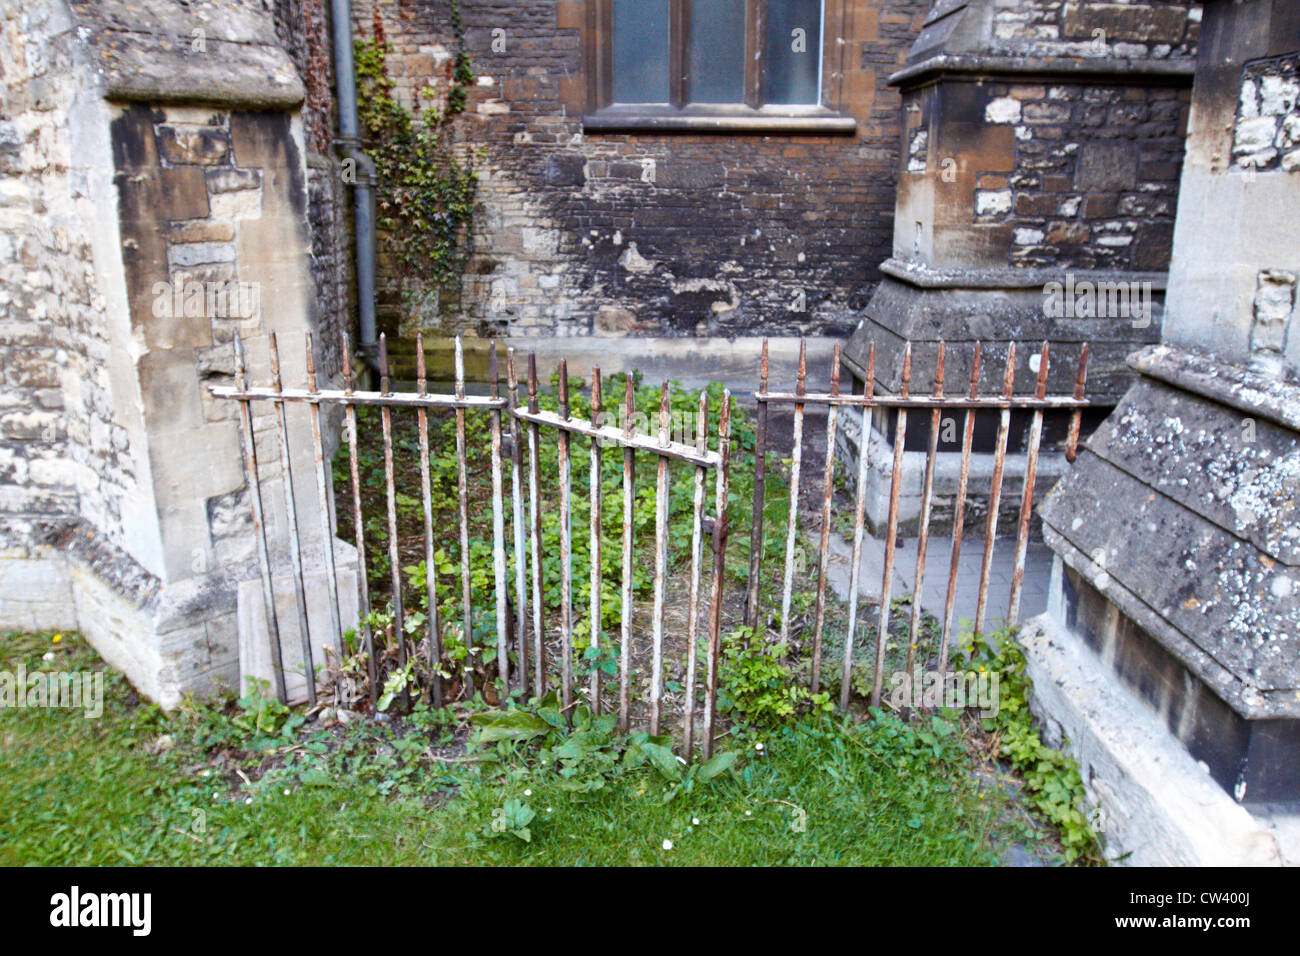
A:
363, 195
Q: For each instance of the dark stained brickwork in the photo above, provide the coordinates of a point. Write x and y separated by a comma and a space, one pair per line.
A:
581, 233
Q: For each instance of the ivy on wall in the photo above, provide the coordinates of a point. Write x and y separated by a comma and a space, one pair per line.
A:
424, 195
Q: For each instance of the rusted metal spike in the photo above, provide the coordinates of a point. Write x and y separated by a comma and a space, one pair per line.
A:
859, 521
823, 553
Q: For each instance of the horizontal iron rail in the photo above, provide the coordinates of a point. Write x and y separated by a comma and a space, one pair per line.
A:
924, 402
334, 396
619, 438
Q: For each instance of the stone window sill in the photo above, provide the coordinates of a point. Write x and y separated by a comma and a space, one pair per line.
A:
813, 120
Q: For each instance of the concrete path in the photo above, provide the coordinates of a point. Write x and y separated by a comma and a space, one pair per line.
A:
934, 590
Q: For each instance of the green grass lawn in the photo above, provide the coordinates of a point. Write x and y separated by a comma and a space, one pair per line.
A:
214, 785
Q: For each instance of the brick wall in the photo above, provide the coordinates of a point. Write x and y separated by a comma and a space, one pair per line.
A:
303, 28
583, 233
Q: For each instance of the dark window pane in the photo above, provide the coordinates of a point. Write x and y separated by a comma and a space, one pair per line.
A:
640, 51
794, 52
717, 54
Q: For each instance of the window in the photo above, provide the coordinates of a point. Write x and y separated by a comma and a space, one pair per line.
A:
704, 65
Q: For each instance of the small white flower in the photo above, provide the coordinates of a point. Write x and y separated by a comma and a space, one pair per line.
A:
758, 746
548, 809
528, 793
695, 821
286, 793
47, 656
749, 813
249, 801
668, 844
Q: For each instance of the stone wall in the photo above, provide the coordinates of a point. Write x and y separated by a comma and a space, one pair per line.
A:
63, 437
581, 233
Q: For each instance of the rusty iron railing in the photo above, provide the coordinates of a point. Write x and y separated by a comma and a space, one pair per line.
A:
935, 404
507, 444
517, 430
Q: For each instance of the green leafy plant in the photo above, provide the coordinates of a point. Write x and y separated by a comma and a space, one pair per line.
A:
755, 684
424, 193
1053, 785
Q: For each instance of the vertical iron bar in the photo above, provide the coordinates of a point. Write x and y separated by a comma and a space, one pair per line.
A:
995, 491
295, 544
1076, 417
595, 500
462, 491
426, 499
959, 515
859, 516
499, 530
535, 522
792, 519
661, 567
1027, 493
693, 612
390, 489
259, 524
891, 532
358, 525
629, 518
923, 540
723, 490
828, 490
517, 522
760, 484
323, 493
566, 546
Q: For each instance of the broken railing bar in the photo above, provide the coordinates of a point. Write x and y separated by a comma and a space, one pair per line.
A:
619, 437
1027, 493
891, 533
323, 479
959, 516
859, 515
629, 524
792, 520
390, 491
259, 527
336, 397
295, 543
661, 568
594, 548
925, 403
923, 541
426, 500
828, 492
517, 516
995, 490
499, 530
535, 533
462, 495
363, 583
1080, 386
693, 604
566, 545
722, 491
760, 484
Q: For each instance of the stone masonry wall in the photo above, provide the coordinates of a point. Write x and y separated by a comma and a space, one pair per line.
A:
671, 235
63, 454
1095, 182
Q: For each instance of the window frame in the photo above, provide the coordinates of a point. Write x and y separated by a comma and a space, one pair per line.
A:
679, 114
